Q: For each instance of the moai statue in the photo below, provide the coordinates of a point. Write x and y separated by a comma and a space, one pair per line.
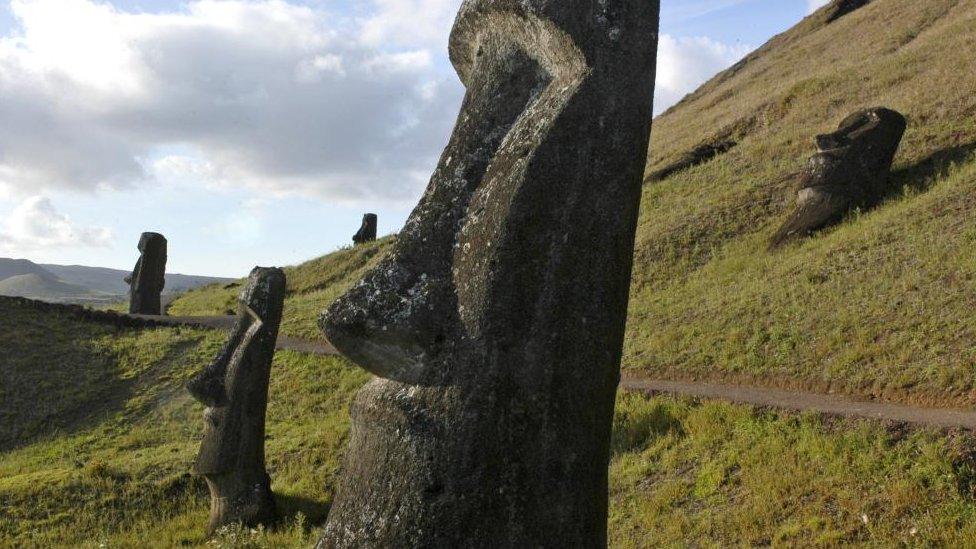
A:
367, 231
495, 325
850, 170
235, 389
149, 276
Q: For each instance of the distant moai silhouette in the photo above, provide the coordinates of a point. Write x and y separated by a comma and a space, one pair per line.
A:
850, 169
148, 278
234, 387
495, 324
367, 231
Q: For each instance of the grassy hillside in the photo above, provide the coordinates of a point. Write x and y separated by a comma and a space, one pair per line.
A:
311, 288
98, 436
880, 306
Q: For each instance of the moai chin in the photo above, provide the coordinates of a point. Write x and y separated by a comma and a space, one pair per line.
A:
367, 231
849, 170
495, 325
148, 278
235, 389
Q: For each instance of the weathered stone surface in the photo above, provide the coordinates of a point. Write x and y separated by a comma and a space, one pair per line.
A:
850, 169
148, 278
235, 389
496, 323
367, 231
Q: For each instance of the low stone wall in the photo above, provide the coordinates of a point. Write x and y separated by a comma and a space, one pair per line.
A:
77, 311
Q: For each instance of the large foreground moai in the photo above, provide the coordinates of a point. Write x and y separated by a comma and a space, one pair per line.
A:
235, 389
850, 170
367, 231
148, 278
495, 325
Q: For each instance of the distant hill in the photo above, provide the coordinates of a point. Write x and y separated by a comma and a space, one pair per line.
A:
112, 280
17, 267
80, 284
40, 286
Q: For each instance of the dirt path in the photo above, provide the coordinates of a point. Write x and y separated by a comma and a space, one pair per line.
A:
839, 405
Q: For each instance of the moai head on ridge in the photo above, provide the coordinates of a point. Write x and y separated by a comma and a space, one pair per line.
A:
495, 323
367, 231
148, 278
234, 387
849, 170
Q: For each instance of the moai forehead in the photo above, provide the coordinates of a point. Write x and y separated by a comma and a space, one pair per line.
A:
263, 292
860, 151
879, 125
151, 241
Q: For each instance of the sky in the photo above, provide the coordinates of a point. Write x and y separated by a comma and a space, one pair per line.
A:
255, 132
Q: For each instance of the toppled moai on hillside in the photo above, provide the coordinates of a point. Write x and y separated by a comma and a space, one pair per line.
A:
234, 387
495, 325
148, 278
851, 169
700, 154
367, 231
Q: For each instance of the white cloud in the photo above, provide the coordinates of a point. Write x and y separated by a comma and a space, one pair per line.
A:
35, 224
814, 5
683, 64
410, 23
271, 95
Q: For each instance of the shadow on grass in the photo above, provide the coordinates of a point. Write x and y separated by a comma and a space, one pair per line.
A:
635, 427
289, 507
53, 384
920, 176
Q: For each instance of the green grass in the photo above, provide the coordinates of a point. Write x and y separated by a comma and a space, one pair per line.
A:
108, 464
99, 435
880, 306
717, 475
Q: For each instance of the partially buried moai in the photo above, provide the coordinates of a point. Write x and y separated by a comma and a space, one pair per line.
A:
367, 231
495, 325
148, 278
850, 170
234, 387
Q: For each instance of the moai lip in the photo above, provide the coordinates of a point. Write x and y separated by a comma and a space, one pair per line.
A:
234, 387
367, 231
148, 278
849, 170
495, 324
